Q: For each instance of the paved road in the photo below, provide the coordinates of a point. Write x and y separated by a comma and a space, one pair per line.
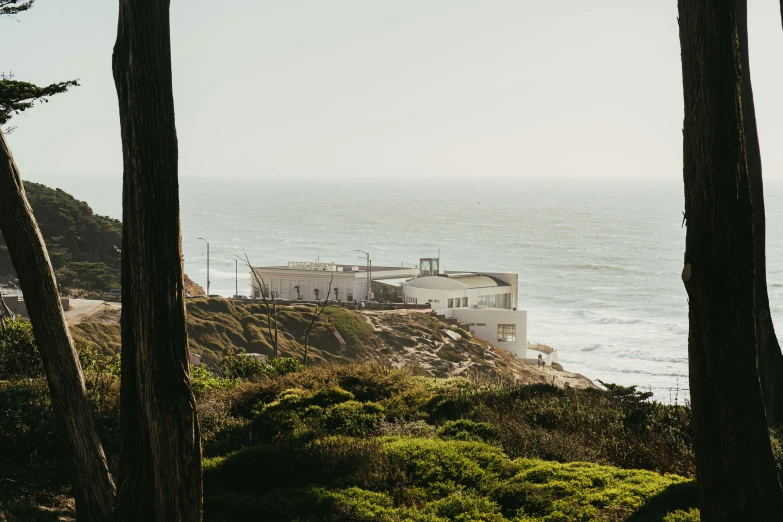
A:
81, 309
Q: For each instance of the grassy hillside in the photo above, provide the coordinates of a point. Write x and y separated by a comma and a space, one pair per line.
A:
219, 327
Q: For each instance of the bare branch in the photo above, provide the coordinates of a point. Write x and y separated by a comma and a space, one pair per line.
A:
261, 284
316, 315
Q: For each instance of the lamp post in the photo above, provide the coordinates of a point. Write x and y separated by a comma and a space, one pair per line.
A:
369, 274
207, 242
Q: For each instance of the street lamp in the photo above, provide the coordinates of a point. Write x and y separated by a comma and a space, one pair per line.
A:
369, 274
207, 242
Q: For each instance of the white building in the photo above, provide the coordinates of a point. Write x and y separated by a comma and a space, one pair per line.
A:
463, 290
486, 302
301, 280
505, 329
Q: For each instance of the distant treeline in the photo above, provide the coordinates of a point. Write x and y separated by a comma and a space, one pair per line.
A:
84, 247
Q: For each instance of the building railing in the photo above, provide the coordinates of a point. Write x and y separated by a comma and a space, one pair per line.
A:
348, 305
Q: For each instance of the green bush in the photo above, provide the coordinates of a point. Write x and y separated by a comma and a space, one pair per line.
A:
241, 367
691, 515
353, 418
203, 382
465, 429
19, 356
404, 478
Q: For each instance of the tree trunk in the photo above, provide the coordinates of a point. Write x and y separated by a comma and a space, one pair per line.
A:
770, 359
160, 459
92, 482
735, 471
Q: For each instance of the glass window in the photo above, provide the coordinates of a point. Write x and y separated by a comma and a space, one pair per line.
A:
457, 302
350, 296
464, 302
451, 303
507, 333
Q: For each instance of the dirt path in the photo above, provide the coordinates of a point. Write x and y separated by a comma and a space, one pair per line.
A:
92, 310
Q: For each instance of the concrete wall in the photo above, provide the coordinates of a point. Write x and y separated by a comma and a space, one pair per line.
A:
19, 307
483, 323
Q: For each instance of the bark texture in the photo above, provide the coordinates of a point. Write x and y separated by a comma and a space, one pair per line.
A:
770, 359
735, 470
94, 488
160, 459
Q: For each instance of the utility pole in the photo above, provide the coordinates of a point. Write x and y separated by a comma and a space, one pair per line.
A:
369, 275
207, 242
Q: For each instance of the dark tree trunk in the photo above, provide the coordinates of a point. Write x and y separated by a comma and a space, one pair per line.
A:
160, 459
735, 471
93, 483
770, 359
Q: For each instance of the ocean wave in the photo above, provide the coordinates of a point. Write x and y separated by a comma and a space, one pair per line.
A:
637, 371
676, 328
591, 347
595, 318
592, 266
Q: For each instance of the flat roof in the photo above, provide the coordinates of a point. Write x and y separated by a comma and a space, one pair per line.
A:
345, 268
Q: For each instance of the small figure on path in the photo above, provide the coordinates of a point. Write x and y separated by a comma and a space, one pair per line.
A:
540, 360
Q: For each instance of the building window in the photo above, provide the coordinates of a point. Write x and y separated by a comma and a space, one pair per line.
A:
464, 302
451, 303
350, 296
456, 302
507, 333
495, 301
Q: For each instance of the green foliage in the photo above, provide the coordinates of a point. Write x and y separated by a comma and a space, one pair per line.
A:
283, 366
203, 382
691, 515
425, 479
242, 367
19, 356
353, 329
353, 418
12, 7
84, 248
88, 275
16, 96
465, 429
366, 442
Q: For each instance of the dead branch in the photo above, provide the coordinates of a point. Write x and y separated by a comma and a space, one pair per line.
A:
316, 315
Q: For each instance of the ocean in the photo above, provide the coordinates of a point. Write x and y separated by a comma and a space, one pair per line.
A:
599, 261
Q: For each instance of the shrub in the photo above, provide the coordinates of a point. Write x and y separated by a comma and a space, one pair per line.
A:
19, 356
251, 368
203, 382
465, 429
241, 367
283, 366
354, 418
691, 515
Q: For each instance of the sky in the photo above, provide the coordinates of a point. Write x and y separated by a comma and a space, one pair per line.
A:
358, 89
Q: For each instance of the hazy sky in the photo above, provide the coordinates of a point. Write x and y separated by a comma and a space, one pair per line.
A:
363, 88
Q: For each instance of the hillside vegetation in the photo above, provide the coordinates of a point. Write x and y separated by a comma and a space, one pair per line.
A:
371, 443
220, 327
84, 247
